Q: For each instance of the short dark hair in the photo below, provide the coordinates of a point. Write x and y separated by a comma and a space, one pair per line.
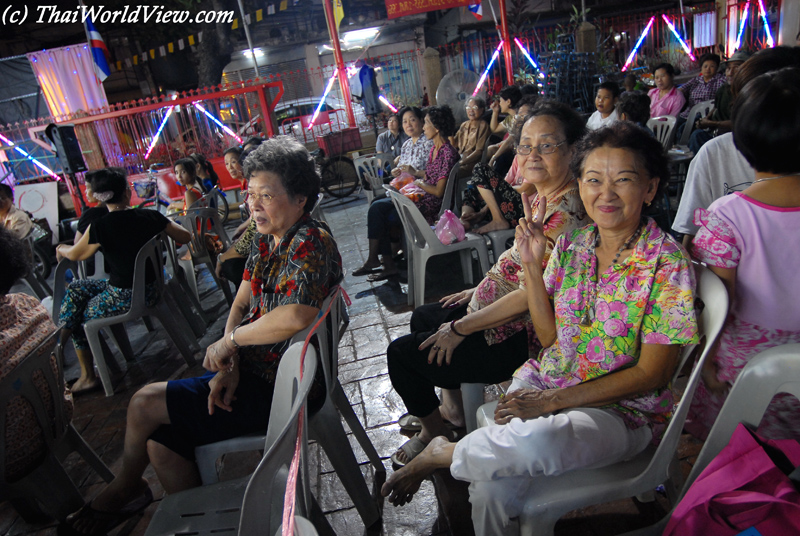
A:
571, 121
512, 93
668, 68
528, 90
528, 100
16, 259
480, 102
764, 61
635, 106
255, 141
6, 191
414, 110
233, 150
110, 179
442, 119
625, 135
766, 121
709, 56
393, 114
288, 159
613, 87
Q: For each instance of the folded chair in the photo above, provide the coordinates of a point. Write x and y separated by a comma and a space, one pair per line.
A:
372, 169
423, 244
663, 127
253, 504
773, 371
325, 425
46, 490
33, 278
164, 309
699, 110
654, 466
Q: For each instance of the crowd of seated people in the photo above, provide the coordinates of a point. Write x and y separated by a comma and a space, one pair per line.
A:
586, 313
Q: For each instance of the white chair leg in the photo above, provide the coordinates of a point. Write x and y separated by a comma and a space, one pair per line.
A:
472, 397
191, 279
466, 265
350, 417
93, 336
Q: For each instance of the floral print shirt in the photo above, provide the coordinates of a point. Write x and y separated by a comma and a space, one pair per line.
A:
646, 299
301, 269
564, 213
415, 154
438, 169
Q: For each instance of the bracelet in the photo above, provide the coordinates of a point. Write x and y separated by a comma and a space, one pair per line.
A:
454, 330
233, 341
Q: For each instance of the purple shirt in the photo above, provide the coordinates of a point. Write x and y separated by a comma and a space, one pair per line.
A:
671, 104
698, 90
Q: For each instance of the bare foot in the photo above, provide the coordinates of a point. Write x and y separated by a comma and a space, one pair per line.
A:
426, 438
404, 483
84, 384
117, 494
494, 226
454, 415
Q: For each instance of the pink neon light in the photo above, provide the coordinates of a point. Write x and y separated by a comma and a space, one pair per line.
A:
763, 12
742, 25
488, 67
158, 132
387, 103
324, 95
525, 53
678, 37
638, 43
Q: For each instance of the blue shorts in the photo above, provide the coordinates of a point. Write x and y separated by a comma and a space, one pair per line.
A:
192, 426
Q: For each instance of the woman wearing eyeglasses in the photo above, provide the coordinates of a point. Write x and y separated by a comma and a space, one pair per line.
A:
471, 136
484, 334
292, 267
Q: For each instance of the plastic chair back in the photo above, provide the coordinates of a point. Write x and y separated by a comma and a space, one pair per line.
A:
663, 127
370, 168
701, 109
448, 199
317, 212
35, 281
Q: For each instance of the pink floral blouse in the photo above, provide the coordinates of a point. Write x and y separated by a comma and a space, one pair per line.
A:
564, 213
647, 298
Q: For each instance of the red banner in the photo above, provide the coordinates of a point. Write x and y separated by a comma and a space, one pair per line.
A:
401, 8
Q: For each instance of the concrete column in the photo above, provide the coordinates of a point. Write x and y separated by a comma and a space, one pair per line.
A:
313, 65
433, 72
789, 23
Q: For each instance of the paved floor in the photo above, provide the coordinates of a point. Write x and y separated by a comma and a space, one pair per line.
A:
378, 313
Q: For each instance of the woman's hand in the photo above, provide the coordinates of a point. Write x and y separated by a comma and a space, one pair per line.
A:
443, 343
459, 298
409, 169
529, 237
525, 404
220, 355
494, 106
223, 386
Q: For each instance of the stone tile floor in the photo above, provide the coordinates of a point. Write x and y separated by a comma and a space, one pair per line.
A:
378, 314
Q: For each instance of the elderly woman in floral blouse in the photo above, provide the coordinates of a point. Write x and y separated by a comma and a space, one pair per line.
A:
612, 309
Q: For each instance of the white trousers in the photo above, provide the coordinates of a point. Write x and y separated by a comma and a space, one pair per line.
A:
502, 462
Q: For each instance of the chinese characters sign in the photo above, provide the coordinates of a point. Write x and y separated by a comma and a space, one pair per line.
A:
401, 8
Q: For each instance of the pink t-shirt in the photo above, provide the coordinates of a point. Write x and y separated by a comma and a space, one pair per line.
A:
671, 104
762, 243
513, 177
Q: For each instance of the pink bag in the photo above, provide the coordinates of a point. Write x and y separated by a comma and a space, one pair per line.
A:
449, 229
744, 486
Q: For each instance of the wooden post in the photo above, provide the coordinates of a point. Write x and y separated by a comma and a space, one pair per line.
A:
337, 54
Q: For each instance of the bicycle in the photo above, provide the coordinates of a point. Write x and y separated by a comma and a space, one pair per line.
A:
338, 173
148, 192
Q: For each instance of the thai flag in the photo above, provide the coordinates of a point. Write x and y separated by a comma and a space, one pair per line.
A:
476, 10
99, 51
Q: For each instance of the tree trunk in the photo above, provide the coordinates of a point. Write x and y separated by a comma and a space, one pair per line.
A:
214, 51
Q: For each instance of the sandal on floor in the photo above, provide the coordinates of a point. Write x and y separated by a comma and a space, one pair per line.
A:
366, 271
412, 448
411, 423
103, 521
382, 276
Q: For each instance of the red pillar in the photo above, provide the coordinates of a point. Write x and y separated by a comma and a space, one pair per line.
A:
506, 42
337, 54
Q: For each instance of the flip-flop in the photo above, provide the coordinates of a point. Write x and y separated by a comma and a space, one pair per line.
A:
104, 521
411, 423
382, 276
412, 448
366, 271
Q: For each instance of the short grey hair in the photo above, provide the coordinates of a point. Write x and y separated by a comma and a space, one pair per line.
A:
291, 161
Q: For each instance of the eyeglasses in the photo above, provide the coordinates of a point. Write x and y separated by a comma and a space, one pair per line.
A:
543, 148
472, 108
265, 199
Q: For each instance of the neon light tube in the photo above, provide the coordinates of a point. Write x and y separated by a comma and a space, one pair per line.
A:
322, 100
638, 43
763, 12
678, 37
387, 103
158, 132
742, 24
27, 155
228, 131
488, 67
525, 53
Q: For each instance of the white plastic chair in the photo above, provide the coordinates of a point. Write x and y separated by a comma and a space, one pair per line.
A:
196, 221
423, 244
772, 371
663, 127
34, 280
701, 109
164, 309
371, 168
180, 286
47, 484
253, 504
654, 466
325, 425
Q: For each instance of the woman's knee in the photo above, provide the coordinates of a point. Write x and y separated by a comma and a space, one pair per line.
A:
148, 406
